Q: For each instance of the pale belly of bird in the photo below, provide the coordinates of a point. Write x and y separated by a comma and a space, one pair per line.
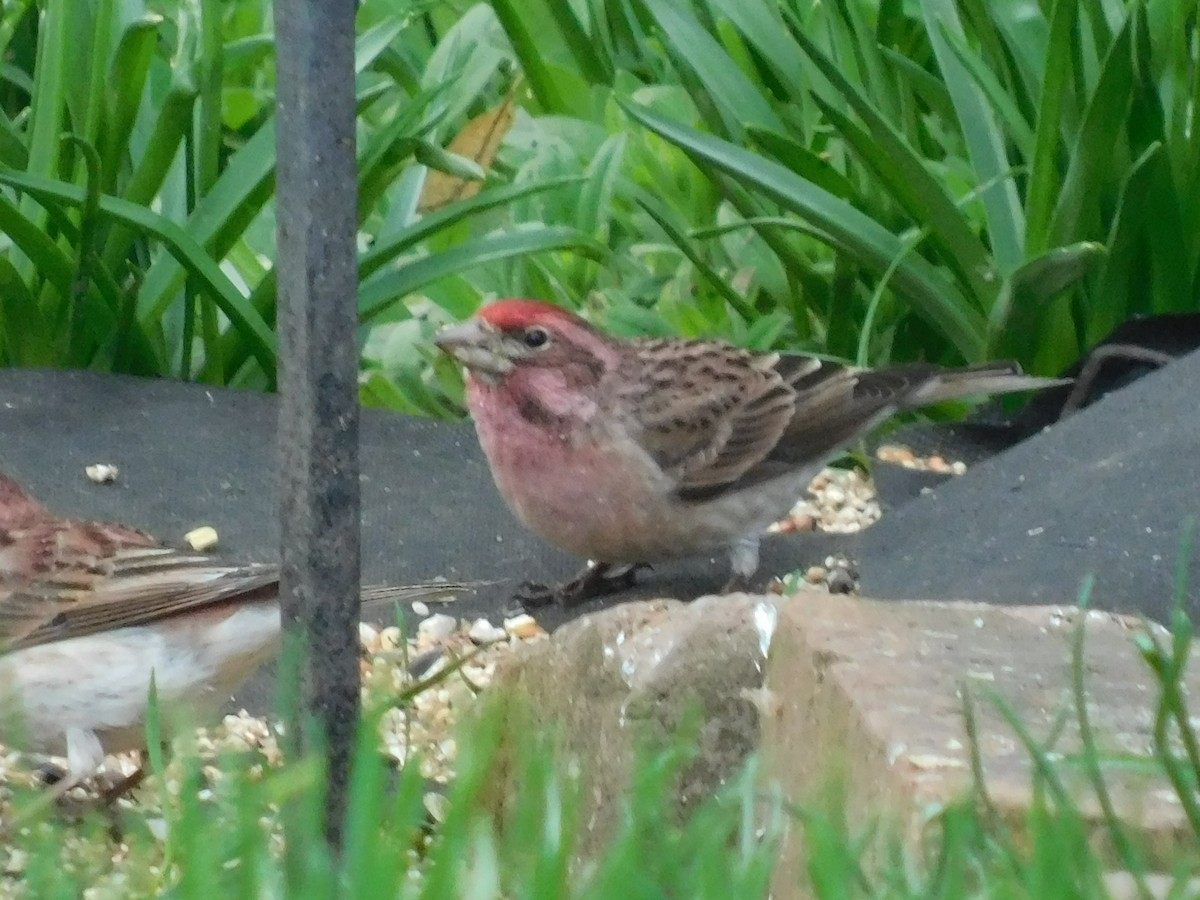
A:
100, 683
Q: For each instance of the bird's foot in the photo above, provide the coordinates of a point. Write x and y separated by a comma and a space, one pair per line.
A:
599, 580
127, 784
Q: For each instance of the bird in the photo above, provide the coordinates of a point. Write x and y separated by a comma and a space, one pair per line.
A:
631, 451
92, 612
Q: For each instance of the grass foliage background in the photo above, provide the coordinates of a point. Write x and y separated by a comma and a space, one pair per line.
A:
876, 180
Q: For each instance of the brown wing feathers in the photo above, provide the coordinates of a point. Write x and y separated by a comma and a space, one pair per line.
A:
713, 414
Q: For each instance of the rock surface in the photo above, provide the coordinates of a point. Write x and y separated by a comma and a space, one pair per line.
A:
638, 672
868, 694
861, 695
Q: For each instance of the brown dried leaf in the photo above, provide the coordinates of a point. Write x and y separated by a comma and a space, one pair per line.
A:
479, 140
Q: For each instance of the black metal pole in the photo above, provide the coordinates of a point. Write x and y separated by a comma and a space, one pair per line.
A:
318, 373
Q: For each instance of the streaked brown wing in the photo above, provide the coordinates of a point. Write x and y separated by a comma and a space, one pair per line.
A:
62, 579
708, 412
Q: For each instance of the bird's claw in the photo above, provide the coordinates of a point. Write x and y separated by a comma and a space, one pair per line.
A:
536, 594
599, 580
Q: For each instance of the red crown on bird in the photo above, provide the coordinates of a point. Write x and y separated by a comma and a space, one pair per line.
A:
506, 314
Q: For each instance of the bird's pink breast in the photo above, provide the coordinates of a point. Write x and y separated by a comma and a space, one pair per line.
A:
567, 482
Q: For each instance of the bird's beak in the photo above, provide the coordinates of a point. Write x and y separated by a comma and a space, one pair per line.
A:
477, 345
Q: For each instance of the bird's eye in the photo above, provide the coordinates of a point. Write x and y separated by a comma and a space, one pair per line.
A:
536, 337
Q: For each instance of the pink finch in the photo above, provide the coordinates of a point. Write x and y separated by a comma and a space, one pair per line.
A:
90, 611
633, 451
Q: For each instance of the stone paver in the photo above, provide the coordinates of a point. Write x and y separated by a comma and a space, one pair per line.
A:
867, 694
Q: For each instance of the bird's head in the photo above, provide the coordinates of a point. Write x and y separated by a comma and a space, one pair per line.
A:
526, 335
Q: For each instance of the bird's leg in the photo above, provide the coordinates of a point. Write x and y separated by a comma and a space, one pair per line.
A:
743, 559
595, 580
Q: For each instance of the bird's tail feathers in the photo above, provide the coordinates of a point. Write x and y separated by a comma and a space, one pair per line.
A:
983, 379
379, 595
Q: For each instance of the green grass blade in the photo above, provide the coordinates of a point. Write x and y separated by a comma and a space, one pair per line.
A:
27, 339
427, 226
1044, 173
529, 50
190, 255
174, 119
377, 294
985, 140
588, 61
761, 25
210, 66
738, 101
803, 161
47, 106
1093, 154
49, 260
1017, 127
124, 90
864, 239
659, 213
240, 193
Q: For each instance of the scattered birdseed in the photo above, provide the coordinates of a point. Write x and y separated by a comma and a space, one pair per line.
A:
102, 473
203, 538
391, 638
435, 628
839, 501
903, 456
417, 722
484, 632
524, 627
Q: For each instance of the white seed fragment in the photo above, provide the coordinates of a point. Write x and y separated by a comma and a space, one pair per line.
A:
436, 805
523, 626
484, 632
203, 538
391, 638
436, 628
17, 861
368, 636
102, 473
420, 608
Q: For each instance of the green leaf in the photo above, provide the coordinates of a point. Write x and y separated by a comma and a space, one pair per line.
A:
985, 140
1019, 131
659, 213
28, 340
803, 162
1116, 294
738, 100
48, 105
530, 51
124, 89
245, 185
903, 172
1025, 300
174, 120
379, 293
1044, 177
849, 231
190, 255
1093, 153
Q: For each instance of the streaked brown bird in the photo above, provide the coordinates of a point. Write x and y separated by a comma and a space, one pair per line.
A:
91, 611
